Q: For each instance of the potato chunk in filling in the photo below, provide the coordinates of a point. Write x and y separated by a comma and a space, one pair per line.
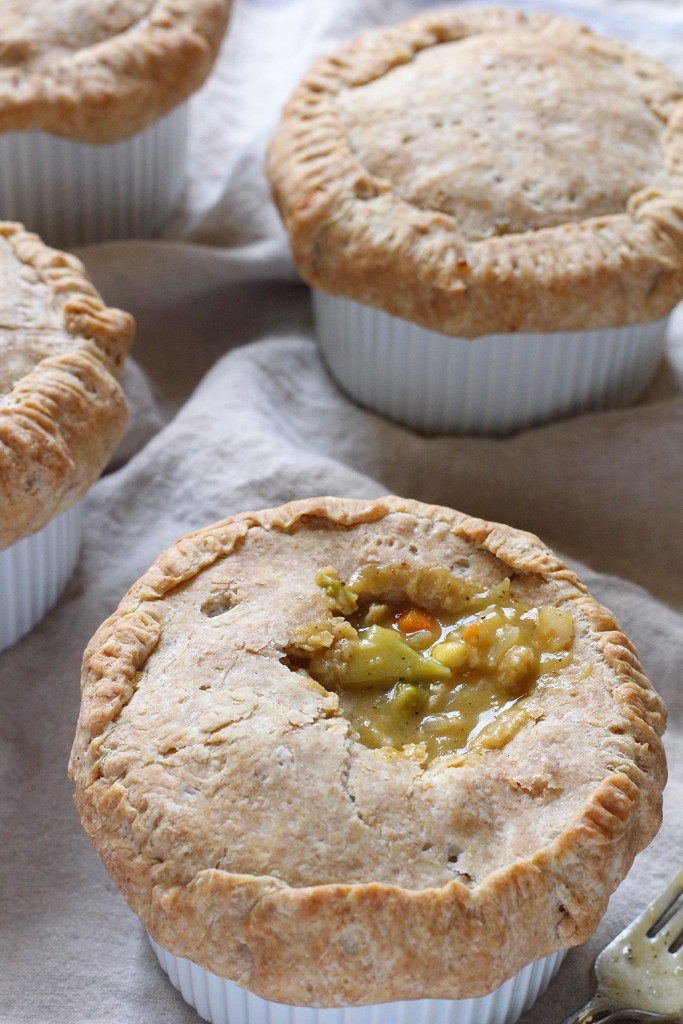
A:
442, 682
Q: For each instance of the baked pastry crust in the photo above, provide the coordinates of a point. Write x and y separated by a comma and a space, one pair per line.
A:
62, 409
255, 836
101, 73
486, 171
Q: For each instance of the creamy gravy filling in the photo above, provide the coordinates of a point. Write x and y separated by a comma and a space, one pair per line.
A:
439, 682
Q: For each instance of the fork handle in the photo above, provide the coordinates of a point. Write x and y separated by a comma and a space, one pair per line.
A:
600, 1010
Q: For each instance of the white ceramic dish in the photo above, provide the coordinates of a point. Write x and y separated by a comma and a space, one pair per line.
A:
34, 572
496, 384
74, 193
223, 1002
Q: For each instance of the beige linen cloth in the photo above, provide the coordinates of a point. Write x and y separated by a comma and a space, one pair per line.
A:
233, 410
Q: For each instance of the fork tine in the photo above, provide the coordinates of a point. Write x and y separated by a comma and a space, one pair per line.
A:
636, 970
672, 930
650, 917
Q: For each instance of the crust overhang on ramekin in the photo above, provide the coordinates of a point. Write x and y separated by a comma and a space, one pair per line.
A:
353, 235
142, 58
199, 752
63, 413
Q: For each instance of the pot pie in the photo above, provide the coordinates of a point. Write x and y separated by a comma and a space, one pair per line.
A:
346, 752
485, 174
93, 112
62, 411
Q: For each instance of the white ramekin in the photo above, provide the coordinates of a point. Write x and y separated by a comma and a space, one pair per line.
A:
34, 572
73, 193
223, 1002
496, 384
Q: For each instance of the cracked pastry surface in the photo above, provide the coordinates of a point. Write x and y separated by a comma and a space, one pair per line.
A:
254, 833
62, 409
485, 171
101, 72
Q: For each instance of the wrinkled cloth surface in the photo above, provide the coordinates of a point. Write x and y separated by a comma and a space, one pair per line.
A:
232, 409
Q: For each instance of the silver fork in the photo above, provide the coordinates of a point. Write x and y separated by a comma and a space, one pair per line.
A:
640, 972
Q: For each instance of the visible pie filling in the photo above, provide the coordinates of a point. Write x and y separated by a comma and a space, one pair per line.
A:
440, 682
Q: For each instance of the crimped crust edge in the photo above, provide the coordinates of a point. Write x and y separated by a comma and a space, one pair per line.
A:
115, 88
302, 945
61, 421
352, 236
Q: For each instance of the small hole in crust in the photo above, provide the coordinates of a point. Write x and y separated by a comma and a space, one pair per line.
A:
365, 188
461, 562
218, 604
452, 854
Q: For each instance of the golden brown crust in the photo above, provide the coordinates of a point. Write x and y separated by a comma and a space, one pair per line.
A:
255, 836
391, 211
100, 73
62, 409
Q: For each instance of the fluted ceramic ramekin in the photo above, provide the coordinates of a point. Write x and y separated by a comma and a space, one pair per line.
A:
74, 193
496, 384
34, 572
223, 1002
